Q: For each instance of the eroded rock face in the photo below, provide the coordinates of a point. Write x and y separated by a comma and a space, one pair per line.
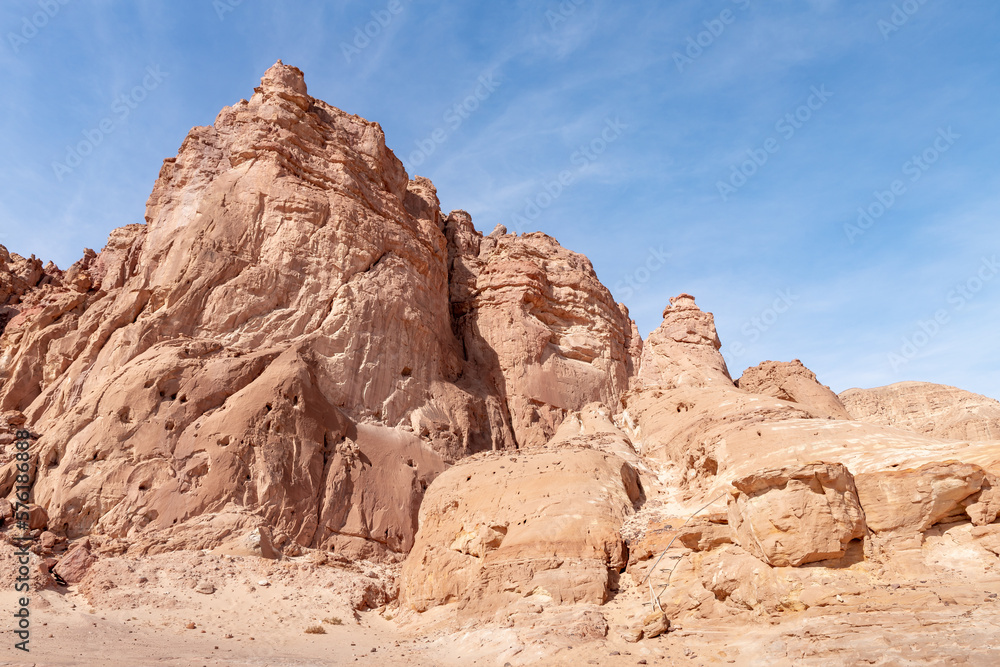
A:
932, 409
985, 506
286, 300
538, 326
23, 281
792, 516
297, 333
911, 501
543, 523
298, 345
594, 427
792, 381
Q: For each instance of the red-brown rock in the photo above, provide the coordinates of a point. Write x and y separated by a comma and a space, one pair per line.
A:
74, 565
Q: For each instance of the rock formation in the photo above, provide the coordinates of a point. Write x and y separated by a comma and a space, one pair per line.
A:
299, 360
798, 515
537, 325
540, 527
931, 409
684, 349
915, 500
793, 382
296, 338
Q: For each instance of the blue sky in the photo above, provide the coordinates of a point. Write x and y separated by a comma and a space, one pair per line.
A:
718, 148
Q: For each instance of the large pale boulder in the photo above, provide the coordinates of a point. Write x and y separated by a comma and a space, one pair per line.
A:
496, 529
912, 501
796, 515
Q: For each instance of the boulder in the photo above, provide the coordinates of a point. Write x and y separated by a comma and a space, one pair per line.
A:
705, 535
38, 518
47, 540
983, 508
496, 530
74, 565
796, 515
911, 501
655, 624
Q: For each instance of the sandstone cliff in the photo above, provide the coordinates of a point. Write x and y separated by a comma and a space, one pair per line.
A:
536, 322
296, 338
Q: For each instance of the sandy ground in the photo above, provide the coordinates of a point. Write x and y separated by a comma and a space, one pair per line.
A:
67, 636
64, 635
137, 612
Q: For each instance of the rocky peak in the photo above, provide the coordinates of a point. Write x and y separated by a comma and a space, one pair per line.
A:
792, 381
286, 82
684, 349
680, 302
